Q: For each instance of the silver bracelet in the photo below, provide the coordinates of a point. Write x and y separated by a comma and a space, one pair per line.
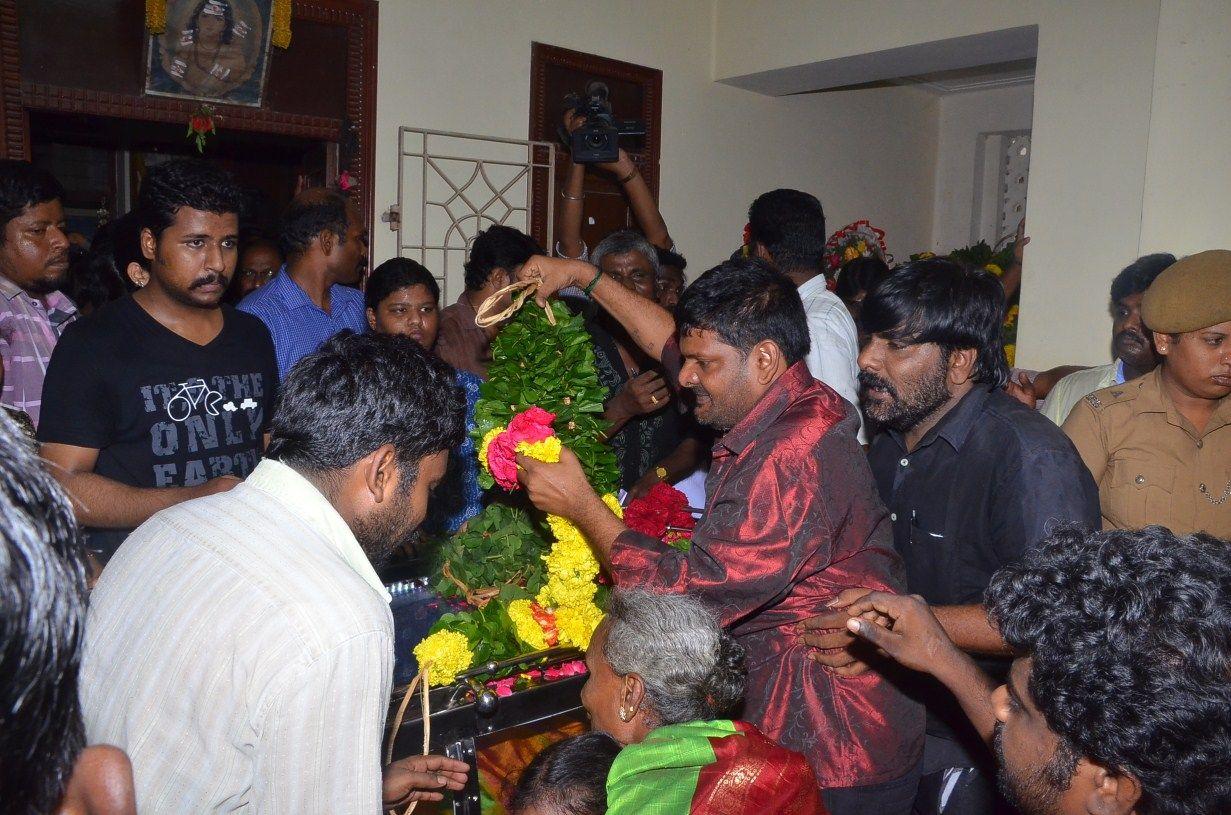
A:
565, 195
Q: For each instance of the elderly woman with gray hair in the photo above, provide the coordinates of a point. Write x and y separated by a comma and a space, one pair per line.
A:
662, 674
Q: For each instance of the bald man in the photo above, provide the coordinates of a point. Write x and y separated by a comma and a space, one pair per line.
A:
313, 296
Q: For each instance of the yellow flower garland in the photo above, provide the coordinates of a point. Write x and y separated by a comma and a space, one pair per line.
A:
526, 626
568, 593
280, 32
445, 654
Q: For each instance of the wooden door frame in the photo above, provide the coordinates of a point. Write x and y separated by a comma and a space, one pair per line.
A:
542, 56
360, 17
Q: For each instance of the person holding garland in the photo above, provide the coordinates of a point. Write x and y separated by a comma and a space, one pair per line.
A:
792, 517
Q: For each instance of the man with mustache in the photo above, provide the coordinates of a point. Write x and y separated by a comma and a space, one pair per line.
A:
791, 517
165, 395
33, 267
1159, 447
973, 480
313, 296
1118, 701
1134, 351
239, 648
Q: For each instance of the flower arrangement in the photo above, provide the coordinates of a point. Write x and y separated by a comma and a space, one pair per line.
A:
995, 259
662, 513
201, 124
528, 583
855, 240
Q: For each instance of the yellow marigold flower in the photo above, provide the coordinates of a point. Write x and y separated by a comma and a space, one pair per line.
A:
546, 450
1010, 353
564, 591
488, 437
571, 558
446, 654
613, 504
577, 624
562, 529
526, 626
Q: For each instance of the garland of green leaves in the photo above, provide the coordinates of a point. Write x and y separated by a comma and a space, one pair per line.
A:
501, 550
534, 363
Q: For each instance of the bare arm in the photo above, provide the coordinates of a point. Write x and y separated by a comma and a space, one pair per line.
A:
906, 629
649, 324
641, 200
103, 503
970, 629
571, 212
1011, 280
1046, 380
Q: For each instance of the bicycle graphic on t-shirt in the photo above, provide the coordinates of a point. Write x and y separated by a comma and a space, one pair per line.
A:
194, 393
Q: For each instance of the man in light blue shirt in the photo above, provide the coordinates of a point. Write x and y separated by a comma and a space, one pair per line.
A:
312, 297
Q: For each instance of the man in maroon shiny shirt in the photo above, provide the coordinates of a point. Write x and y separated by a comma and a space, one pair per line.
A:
792, 518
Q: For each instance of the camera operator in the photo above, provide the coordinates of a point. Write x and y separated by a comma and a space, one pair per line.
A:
640, 200
654, 439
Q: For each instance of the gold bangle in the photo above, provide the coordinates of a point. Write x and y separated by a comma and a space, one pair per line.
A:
630, 176
565, 195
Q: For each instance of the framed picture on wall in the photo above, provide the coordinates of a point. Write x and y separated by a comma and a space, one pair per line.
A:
213, 50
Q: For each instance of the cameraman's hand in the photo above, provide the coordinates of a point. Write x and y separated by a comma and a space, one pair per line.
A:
572, 121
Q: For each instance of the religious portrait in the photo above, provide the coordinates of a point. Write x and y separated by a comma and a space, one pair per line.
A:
215, 50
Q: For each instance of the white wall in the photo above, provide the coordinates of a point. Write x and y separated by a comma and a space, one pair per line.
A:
963, 117
1187, 204
1092, 121
464, 66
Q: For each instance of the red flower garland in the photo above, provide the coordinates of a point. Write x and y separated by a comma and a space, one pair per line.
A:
662, 507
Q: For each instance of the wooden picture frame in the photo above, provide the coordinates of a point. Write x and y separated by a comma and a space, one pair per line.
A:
353, 126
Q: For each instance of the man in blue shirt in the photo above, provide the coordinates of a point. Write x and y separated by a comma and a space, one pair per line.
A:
311, 298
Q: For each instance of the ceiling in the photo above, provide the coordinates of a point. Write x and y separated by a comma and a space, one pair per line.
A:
982, 77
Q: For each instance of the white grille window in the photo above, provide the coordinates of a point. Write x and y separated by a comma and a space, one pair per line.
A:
452, 186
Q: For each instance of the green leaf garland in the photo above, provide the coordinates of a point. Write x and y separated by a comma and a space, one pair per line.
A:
535, 363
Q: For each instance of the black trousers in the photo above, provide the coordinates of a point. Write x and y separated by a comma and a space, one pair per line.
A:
889, 798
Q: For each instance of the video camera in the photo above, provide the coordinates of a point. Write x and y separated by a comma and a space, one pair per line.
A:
598, 140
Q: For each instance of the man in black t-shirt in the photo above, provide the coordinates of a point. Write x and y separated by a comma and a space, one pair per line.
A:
973, 481
165, 395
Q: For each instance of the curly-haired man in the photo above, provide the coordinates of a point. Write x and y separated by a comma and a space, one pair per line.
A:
165, 395
1119, 700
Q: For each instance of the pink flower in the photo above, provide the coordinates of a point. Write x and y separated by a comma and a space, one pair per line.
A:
531, 425
502, 462
574, 667
503, 687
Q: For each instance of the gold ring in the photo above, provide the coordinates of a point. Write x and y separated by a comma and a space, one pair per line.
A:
653, 400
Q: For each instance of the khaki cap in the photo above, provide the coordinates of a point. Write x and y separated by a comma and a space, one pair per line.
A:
1191, 294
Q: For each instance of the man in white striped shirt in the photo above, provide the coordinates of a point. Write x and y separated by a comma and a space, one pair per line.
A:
239, 647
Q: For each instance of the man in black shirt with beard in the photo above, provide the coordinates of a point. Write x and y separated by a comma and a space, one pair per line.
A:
165, 395
972, 478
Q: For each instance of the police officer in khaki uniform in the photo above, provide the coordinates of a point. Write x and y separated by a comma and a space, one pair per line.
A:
1159, 447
